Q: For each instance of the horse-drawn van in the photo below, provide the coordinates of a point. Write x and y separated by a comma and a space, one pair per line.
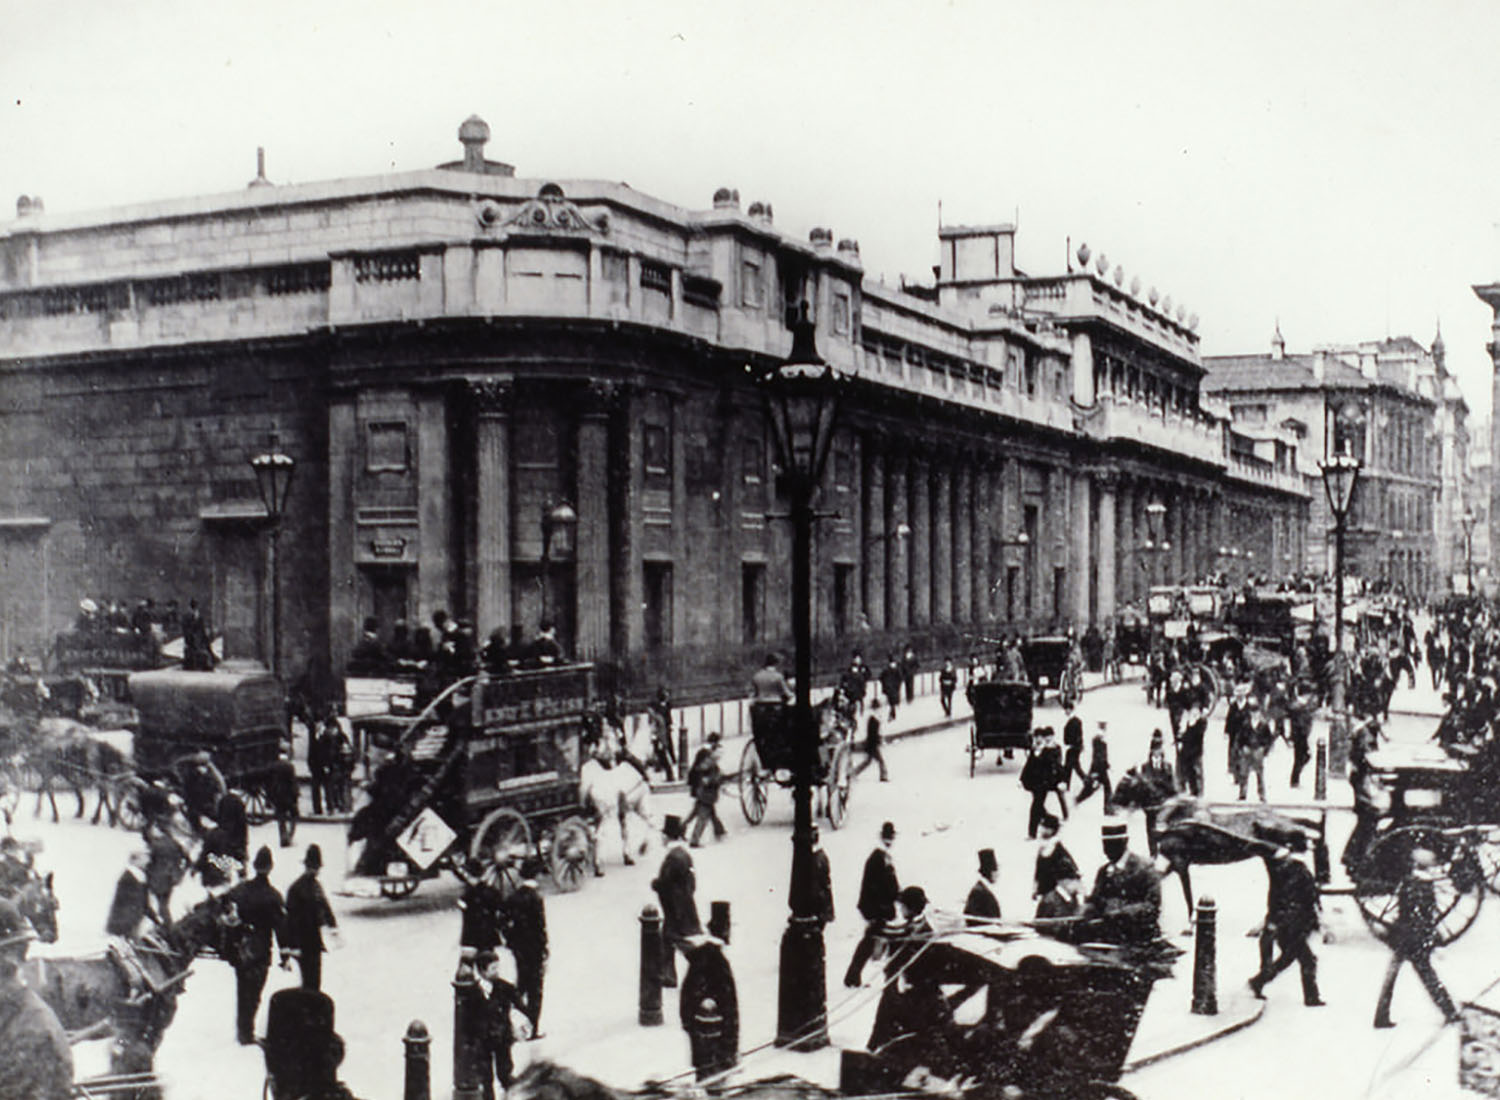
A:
489, 771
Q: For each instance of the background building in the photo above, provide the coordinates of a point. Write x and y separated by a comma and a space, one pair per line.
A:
450, 353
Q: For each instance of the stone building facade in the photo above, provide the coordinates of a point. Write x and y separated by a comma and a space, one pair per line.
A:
1374, 399
449, 353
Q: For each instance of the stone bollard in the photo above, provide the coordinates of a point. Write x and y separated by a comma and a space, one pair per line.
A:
682, 749
1205, 972
468, 1028
1320, 772
418, 1045
1322, 869
651, 948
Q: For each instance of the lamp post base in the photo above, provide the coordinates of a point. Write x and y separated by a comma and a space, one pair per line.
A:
802, 1017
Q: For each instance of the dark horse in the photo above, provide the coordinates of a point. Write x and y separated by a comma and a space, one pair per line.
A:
92, 994
37, 903
1190, 831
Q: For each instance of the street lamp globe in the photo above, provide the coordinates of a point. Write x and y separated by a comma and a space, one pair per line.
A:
802, 398
561, 517
273, 478
1340, 473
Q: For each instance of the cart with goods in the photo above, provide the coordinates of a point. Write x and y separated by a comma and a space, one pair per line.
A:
770, 758
1002, 719
487, 772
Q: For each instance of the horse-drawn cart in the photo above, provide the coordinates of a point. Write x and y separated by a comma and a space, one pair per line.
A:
1002, 719
489, 770
1051, 663
1423, 797
771, 757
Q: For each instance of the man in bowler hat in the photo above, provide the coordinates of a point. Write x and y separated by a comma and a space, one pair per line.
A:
260, 915
675, 885
307, 914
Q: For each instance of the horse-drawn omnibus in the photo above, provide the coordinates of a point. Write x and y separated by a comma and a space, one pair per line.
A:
488, 771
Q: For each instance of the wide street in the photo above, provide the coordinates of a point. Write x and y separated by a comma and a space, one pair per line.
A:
397, 958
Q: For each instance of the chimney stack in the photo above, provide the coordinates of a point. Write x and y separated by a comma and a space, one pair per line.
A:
260, 169
473, 135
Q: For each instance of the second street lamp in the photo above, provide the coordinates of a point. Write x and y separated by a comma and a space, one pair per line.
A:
559, 518
273, 478
1340, 473
802, 399
1468, 520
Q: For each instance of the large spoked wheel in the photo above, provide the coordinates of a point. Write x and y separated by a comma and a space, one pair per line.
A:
394, 889
840, 782
572, 855
1488, 853
755, 784
257, 806
124, 807
503, 840
1458, 882
1215, 687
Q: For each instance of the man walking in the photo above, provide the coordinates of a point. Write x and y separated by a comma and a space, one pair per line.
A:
704, 781
307, 914
982, 907
890, 685
1291, 917
947, 685
873, 753
526, 932
260, 915
1413, 936
877, 902
675, 885
1300, 713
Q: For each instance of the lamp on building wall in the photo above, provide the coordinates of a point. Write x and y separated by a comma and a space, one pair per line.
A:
1469, 519
1340, 474
560, 518
273, 478
1156, 546
802, 403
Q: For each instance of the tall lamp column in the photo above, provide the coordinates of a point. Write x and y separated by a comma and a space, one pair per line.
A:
1468, 520
801, 399
273, 478
560, 517
1340, 473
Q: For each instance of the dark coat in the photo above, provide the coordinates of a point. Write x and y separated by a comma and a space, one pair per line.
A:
498, 1001
307, 914
709, 977
1415, 929
1053, 868
262, 915
823, 887
1291, 898
526, 926
128, 908
704, 778
878, 887
36, 1062
674, 886
891, 681
481, 905
982, 903
1127, 899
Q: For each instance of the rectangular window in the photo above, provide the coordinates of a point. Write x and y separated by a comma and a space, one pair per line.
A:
843, 465
1028, 366
387, 446
752, 600
752, 461
615, 268
658, 611
655, 276
841, 313
536, 444
1059, 590
752, 284
658, 452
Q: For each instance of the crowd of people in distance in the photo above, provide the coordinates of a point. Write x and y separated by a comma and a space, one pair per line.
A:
448, 650
149, 623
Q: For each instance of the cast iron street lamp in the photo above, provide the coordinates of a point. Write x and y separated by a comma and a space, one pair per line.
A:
1340, 473
801, 400
1156, 546
560, 517
273, 477
1468, 520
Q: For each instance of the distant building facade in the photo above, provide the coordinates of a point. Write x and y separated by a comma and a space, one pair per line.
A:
450, 353
1392, 404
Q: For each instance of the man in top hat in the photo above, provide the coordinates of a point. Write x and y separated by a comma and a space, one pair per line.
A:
983, 908
675, 885
704, 780
878, 889
258, 915
709, 1006
526, 933
35, 1059
1125, 906
307, 914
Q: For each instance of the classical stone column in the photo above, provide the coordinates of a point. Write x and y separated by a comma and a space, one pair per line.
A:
591, 559
627, 585
1108, 560
876, 545
921, 542
343, 587
433, 531
492, 405
963, 555
942, 543
897, 574
1081, 542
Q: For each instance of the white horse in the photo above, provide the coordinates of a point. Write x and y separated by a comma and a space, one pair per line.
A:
607, 788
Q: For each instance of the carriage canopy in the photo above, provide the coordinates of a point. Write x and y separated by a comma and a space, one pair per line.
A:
238, 718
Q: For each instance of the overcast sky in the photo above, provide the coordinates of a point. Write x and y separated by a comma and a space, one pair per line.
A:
1327, 164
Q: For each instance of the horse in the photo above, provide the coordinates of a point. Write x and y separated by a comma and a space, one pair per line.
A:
1190, 831
37, 902
81, 758
608, 787
92, 993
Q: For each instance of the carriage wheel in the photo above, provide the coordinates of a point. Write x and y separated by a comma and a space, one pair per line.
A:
503, 839
572, 855
1215, 687
257, 805
394, 889
973, 748
1459, 884
840, 781
126, 810
1488, 854
754, 781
